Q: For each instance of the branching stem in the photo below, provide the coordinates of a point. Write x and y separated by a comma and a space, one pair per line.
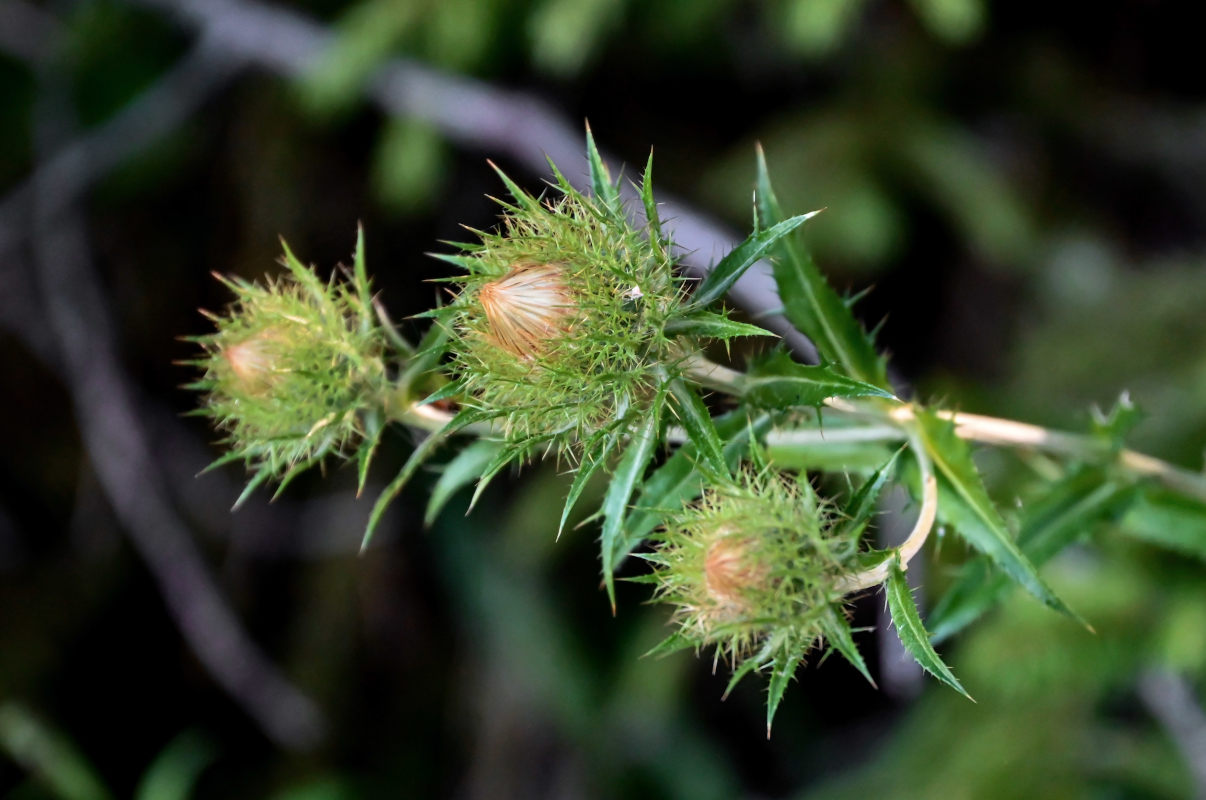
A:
973, 427
892, 423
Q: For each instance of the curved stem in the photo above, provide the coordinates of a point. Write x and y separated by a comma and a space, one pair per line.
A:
917, 536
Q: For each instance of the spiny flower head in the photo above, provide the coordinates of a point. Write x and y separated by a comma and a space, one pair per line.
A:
752, 568
295, 369
558, 326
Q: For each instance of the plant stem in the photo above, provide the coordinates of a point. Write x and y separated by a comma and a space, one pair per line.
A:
1009, 433
708, 373
891, 423
917, 536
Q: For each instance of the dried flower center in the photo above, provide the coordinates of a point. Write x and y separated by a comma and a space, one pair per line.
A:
730, 571
526, 307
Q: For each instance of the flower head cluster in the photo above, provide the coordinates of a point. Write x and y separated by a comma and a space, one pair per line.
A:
295, 370
558, 327
752, 568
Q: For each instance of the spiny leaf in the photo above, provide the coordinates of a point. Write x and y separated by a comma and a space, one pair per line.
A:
421, 453
836, 629
596, 457
779, 382
222, 461
743, 256
525, 200
1114, 426
809, 302
450, 389
304, 275
963, 501
747, 666
651, 214
427, 356
829, 454
460, 260
710, 325
615, 503
673, 643
510, 453
373, 428
458, 473
364, 459
861, 507
701, 431
361, 279
600, 179
1067, 512
911, 632
258, 479
783, 667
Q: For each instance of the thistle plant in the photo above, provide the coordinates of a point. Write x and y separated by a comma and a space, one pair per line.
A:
751, 495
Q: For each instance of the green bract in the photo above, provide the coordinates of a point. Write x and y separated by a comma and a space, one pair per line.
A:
295, 370
558, 327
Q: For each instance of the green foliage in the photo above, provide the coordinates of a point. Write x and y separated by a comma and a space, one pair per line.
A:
1169, 519
779, 382
55, 763
811, 304
966, 505
48, 754
1069, 511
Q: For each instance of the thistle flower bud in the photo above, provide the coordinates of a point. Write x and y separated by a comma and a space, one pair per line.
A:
558, 327
752, 568
294, 369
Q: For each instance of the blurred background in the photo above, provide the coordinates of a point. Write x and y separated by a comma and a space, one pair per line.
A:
1022, 185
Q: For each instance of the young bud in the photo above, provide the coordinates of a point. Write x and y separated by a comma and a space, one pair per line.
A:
293, 369
558, 327
752, 562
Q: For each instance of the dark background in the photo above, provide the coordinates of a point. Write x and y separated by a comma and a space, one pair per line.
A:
1020, 183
